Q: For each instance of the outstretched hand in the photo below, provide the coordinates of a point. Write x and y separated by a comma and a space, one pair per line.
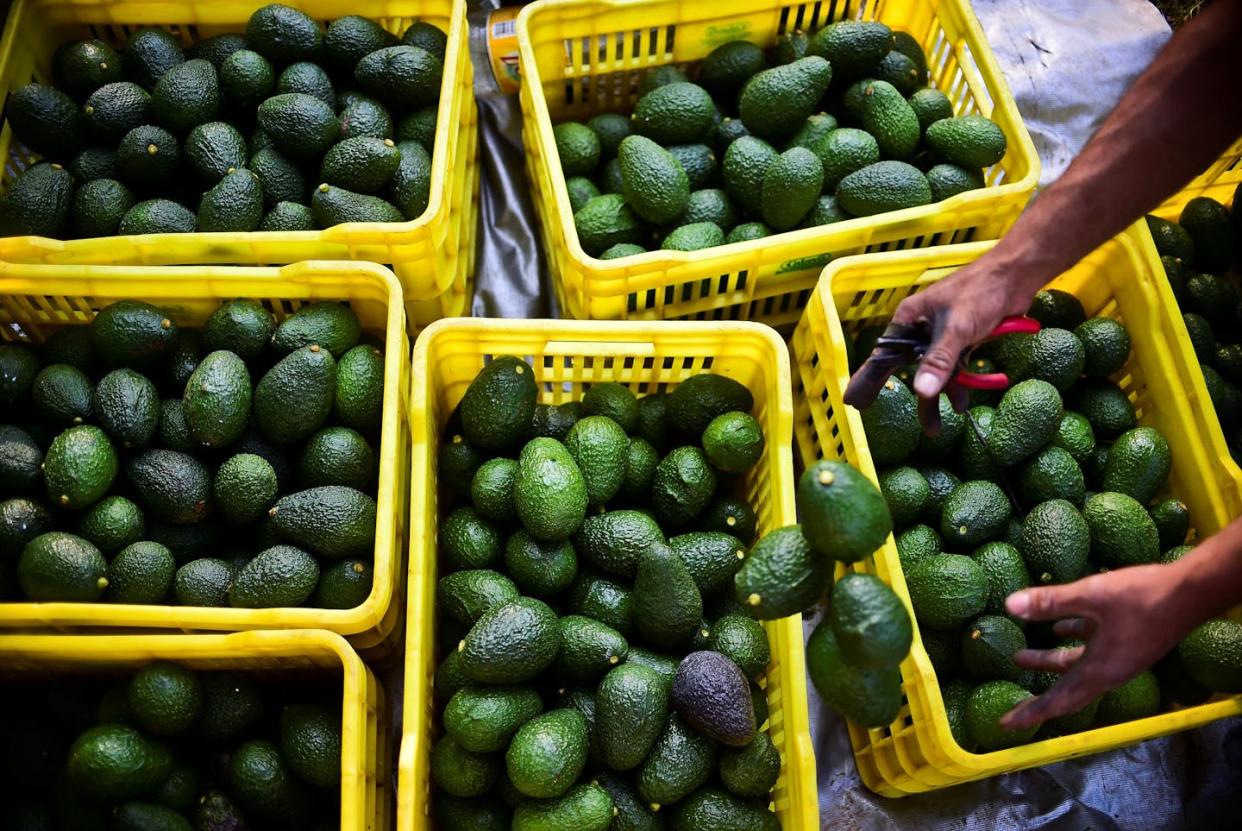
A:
1129, 618
961, 311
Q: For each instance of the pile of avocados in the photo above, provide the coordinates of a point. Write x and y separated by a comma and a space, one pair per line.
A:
288, 127
816, 130
1199, 253
168, 748
229, 466
852, 656
597, 671
1054, 480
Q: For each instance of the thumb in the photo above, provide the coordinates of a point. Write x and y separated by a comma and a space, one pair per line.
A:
937, 366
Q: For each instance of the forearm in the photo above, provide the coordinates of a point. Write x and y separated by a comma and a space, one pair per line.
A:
1177, 118
1207, 582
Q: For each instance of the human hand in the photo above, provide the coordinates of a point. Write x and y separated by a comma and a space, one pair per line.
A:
961, 310
1129, 618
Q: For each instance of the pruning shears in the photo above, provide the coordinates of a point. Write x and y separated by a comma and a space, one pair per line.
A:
905, 344
901, 345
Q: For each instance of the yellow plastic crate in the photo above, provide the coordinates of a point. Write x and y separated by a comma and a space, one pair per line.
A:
583, 57
1120, 280
1219, 182
36, 300
567, 357
432, 255
365, 797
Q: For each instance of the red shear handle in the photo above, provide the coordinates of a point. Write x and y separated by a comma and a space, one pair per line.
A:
1012, 325
1015, 325
982, 381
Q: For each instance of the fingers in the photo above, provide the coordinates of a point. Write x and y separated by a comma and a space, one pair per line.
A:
1049, 602
876, 368
1078, 687
959, 397
866, 383
1075, 628
916, 307
1048, 660
940, 362
929, 415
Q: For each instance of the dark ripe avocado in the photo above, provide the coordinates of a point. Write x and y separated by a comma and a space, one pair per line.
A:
21, 520
781, 575
667, 603
131, 333
284, 35
217, 812
186, 95
511, 643
715, 809
21, 462
46, 120
700, 398
83, 66
585, 807
427, 36
150, 53
712, 695
300, 125
172, 486
349, 39
400, 76
632, 813
18, 368
330, 520
37, 202
112, 111
217, 48
499, 405
680, 761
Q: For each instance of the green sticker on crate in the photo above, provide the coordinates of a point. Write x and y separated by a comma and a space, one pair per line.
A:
804, 263
716, 35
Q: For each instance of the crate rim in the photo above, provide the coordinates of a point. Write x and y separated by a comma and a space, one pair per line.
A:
97, 649
592, 330
356, 621
615, 269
